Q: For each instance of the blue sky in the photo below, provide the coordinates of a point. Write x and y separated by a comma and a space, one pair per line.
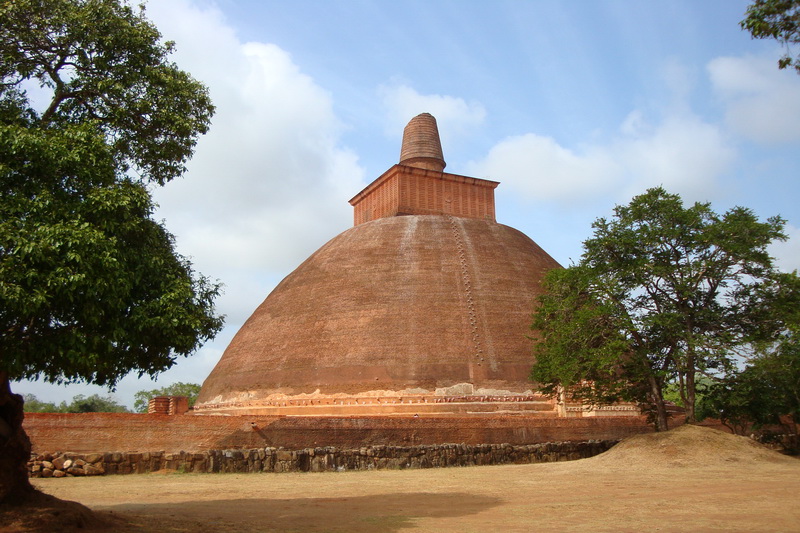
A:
573, 107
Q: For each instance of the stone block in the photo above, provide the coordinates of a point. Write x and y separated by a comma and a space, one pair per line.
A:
93, 458
90, 470
284, 455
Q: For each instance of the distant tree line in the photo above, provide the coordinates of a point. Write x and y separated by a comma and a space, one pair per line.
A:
108, 404
79, 404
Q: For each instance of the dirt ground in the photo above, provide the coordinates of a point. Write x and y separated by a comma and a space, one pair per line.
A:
690, 479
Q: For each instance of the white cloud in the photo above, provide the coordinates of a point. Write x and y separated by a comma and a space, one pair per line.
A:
269, 183
787, 253
682, 153
541, 169
763, 102
454, 116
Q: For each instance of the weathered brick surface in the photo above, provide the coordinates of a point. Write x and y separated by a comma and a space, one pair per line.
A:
404, 190
416, 302
144, 433
421, 144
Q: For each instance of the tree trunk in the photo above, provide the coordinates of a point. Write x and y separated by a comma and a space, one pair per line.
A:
691, 417
15, 447
657, 400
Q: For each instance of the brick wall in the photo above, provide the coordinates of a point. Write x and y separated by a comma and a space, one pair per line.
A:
127, 432
404, 190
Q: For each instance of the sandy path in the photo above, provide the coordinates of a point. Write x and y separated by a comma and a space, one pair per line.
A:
689, 479
549, 497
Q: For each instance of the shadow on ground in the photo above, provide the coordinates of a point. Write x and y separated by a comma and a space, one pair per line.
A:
386, 513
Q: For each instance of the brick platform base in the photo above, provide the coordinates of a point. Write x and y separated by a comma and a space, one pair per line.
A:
123, 432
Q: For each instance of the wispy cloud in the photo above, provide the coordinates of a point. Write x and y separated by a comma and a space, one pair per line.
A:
681, 152
762, 102
454, 116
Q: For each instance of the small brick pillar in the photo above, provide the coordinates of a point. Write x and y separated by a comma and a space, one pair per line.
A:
168, 405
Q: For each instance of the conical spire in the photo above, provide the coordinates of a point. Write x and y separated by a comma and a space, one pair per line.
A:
421, 145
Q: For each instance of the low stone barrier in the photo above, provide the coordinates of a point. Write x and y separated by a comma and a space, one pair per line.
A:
66, 465
324, 459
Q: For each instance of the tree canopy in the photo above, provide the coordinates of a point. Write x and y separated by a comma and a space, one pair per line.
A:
91, 286
779, 20
662, 293
92, 114
767, 390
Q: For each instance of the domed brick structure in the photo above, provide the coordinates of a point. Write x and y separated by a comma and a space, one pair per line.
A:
423, 306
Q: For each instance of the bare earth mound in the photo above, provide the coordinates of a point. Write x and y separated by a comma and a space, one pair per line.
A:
46, 513
689, 445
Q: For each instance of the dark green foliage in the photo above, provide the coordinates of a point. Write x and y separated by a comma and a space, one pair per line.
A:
779, 20
34, 405
142, 398
581, 342
662, 293
90, 285
106, 66
767, 391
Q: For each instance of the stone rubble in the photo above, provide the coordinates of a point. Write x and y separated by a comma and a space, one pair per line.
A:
320, 459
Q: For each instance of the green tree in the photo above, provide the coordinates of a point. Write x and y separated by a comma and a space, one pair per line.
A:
767, 390
94, 404
34, 405
662, 293
142, 399
779, 20
91, 286
79, 404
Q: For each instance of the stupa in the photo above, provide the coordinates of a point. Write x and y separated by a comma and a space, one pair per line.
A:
424, 306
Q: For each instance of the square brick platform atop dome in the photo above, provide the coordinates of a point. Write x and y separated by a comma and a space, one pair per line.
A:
407, 190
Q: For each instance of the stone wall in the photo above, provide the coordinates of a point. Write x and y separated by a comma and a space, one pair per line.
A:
320, 459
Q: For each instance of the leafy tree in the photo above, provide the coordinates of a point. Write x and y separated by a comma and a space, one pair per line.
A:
736, 401
79, 404
34, 405
767, 390
779, 20
142, 398
91, 287
662, 293
94, 404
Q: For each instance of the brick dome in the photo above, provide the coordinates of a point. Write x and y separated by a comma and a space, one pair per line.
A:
419, 304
